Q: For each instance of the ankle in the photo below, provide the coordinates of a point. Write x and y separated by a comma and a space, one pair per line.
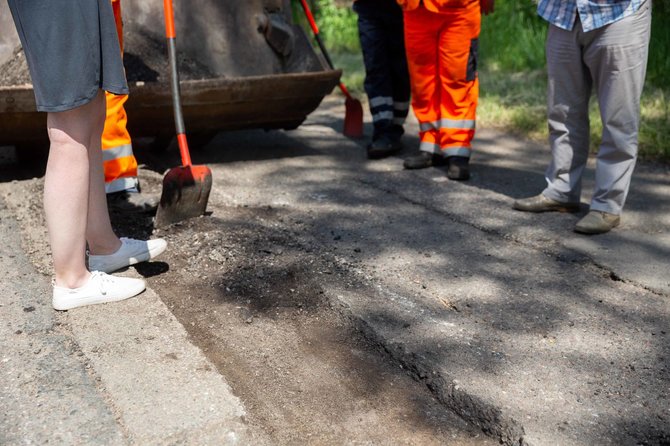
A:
104, 247
72, 280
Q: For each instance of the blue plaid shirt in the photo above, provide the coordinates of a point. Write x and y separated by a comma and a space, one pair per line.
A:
593, 14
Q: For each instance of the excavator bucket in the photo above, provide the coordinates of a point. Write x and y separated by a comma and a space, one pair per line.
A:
242, 64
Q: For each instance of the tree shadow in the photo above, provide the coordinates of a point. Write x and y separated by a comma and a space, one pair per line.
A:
413, 256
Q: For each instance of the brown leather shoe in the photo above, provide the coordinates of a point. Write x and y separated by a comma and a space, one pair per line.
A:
540, 203
597, 222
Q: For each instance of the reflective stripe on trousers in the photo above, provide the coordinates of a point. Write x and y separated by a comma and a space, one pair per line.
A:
442, 59
119, 163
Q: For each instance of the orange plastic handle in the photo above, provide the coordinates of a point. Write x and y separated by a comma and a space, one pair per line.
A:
310, 17
169, 19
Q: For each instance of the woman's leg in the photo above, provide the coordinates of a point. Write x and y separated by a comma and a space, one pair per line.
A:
66, 188
99, 233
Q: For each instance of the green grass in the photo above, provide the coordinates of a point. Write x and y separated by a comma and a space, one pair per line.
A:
512, 38
353, 71
655, 124
513, 101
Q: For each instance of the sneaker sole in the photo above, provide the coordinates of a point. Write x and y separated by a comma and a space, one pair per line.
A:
64, 303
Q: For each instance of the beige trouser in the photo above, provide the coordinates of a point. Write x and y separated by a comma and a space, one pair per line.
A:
613, 61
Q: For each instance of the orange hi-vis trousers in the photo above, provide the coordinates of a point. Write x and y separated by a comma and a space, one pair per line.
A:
119, 163
442, 58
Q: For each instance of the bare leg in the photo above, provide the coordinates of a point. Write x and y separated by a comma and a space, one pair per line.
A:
99, 233
75, 136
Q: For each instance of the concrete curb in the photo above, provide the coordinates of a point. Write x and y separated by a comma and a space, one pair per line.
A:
105, 374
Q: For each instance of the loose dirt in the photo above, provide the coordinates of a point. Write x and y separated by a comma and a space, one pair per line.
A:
145, 60
15, 70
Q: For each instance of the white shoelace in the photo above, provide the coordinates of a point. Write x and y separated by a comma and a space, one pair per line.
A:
105, 280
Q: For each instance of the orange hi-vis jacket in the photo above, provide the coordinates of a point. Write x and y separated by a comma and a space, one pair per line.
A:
434, 5
441, 40
119, 163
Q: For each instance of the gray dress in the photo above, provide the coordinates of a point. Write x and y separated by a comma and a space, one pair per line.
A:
72, 50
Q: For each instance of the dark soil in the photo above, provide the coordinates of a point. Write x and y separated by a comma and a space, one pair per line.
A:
145, 60
254, 296
15, 70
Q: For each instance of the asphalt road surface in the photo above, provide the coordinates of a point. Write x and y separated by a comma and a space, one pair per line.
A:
327, 299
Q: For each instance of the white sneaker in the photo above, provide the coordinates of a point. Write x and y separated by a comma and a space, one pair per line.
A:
131, 252
100, 288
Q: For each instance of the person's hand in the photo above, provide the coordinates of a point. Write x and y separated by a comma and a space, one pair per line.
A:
486, 6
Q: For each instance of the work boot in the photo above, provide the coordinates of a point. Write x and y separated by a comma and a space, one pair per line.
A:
131, 252
383, 147
597, 222
100, 288
458, 168
540, 203
129, 201
423, 160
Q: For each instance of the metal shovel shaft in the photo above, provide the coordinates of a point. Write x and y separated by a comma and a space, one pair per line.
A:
185, 188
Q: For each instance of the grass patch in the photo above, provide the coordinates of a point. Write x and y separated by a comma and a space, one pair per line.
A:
655, 124
513, 102
353, 70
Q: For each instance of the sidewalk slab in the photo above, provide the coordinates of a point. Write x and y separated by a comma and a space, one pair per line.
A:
47, 391
164, 390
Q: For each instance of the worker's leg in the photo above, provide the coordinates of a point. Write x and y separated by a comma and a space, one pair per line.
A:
617, 59
120, 165
119, 162
394, 35
66, 189
373, 18
458, 80
421, 42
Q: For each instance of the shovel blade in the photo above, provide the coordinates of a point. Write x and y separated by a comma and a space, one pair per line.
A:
185, 194
353, 118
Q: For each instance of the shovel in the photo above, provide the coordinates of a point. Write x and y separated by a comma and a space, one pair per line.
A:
185, 188
353, 110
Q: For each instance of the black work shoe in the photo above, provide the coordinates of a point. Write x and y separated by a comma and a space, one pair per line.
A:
383, 147
125, 201
458, 168
423, 160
